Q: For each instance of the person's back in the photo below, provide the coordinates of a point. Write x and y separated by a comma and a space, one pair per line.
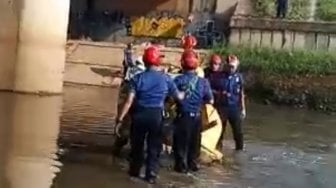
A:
147, 93
187, 131
195, 89
152, 87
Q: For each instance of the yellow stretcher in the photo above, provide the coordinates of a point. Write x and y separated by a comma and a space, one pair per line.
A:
211, 130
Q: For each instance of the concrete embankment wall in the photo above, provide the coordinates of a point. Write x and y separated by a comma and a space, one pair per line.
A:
283, 34
100, 64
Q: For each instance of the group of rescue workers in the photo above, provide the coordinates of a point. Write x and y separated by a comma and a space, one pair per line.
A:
148, 90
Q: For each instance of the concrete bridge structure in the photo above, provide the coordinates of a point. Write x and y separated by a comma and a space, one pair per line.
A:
32, 45
33, 38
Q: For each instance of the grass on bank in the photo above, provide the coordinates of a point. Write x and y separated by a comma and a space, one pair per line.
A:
326, 10
283, 62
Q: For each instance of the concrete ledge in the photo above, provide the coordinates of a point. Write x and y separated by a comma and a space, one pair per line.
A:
92, 75
100, 63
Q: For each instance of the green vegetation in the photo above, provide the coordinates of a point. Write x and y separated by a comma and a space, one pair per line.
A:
297, 78
283, 62
326, 10
297, 9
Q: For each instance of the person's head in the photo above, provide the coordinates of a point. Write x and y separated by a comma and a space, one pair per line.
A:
188, 41
130, 45
152, 57
231, 64
155, 42
189, 60
215, 62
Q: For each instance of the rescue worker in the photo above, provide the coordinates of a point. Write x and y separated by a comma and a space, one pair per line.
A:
232, 103
188, 124
121, 141
148, 91
188, 42
128, 58
213, 73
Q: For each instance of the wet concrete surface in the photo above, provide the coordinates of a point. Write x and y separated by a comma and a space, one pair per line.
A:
284, 147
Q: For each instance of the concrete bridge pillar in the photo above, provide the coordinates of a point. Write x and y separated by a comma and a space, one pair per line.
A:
41, 45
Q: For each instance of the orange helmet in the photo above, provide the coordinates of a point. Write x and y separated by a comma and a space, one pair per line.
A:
189, 41
189, 60
151, 56
215, 59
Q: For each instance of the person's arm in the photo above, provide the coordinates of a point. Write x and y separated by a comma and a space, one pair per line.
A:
208, 93
126, 106
173, 91
242, 98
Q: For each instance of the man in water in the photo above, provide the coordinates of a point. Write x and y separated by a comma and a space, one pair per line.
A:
147, 93
232, 102
188, 124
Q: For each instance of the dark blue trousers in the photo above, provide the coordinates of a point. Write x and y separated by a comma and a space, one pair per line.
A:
146, 126
282, 6
234, 118
187, 141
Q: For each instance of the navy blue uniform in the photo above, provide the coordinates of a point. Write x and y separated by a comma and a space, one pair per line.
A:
150, 88
230, 106
214, 80
187, 132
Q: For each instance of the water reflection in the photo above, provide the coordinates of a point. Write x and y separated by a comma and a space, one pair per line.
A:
284, 148
29, 126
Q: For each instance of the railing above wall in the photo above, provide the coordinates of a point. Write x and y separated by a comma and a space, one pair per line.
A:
277, 33
277, 24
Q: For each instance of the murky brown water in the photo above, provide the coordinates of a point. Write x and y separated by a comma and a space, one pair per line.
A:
285, 147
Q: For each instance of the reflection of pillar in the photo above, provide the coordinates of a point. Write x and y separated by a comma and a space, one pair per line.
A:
8, 39
41, 48
32, 141
6, 102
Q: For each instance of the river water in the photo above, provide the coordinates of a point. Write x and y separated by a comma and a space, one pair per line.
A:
64, 142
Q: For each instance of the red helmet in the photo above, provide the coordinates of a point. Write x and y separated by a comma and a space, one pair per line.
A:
189, 60
215, 59
188, 41
151, 56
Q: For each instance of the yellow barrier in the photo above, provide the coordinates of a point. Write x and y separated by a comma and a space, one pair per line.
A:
162, 27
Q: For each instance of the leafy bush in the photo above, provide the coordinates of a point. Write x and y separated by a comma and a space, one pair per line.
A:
326, 10
283, 62
297, 9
